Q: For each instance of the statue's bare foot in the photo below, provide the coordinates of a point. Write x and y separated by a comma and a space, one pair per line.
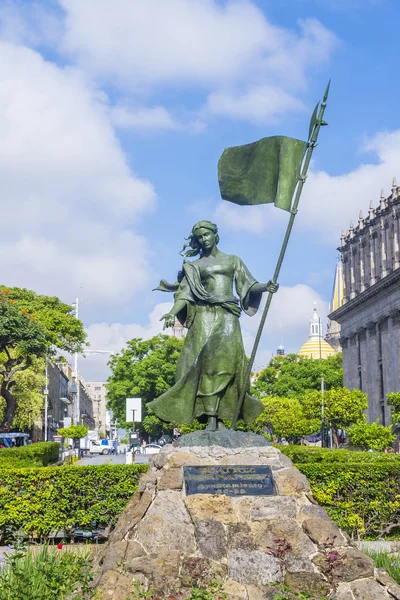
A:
212, 424
221, 426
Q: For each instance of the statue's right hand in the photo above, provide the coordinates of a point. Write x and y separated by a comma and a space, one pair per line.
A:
169, 320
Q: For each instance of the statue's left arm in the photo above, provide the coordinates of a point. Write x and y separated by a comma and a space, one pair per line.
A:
260, 288
248, 289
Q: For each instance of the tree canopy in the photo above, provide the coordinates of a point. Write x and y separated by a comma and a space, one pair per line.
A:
285, 418
342, 408
292, 376
145, 369
371, 436
31, 326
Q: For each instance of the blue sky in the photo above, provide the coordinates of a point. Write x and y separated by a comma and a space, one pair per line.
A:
113, 117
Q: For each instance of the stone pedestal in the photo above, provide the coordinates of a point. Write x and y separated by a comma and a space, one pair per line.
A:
168, 540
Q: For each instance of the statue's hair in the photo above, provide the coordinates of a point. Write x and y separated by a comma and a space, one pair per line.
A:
193, 242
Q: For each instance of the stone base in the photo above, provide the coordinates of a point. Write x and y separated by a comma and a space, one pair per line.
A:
168, 541
225, 438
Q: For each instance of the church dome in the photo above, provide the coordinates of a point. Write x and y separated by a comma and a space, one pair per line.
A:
316, 346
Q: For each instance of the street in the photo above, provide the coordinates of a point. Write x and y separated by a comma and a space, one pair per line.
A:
111, 459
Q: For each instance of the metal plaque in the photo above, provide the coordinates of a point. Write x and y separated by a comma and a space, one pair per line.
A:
230, 480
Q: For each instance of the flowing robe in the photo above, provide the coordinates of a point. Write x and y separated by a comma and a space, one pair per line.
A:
211, 368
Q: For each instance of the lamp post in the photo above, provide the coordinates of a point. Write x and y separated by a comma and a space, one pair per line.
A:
46, 400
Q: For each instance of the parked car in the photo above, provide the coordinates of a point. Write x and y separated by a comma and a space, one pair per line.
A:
165, 439
97, 448
149, 449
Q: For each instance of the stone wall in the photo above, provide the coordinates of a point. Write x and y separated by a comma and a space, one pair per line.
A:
168, 540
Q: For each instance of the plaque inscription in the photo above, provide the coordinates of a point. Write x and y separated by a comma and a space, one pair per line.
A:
230, 480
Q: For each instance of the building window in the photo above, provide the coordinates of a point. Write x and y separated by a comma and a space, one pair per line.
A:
97, 388
383, 417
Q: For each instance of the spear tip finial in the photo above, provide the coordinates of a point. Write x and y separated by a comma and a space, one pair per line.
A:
360, 216
394, 183
371, 205
382, 194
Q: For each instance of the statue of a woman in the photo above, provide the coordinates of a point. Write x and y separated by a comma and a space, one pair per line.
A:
211, 368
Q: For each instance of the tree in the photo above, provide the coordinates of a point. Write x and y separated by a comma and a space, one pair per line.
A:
32, 326
146, 369
28, 395
292, 376
393, 400
284, 418
75, 432
371, 436
342, 408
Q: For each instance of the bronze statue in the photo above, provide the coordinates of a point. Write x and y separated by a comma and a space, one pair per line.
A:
211, 370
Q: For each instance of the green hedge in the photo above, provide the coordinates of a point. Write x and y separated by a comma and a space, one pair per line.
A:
307, 454
360, 490
41, 501
40, 454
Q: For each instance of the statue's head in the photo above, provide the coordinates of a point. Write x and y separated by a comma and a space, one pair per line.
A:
203, 235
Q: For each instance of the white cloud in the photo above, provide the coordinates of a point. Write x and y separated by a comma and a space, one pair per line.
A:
253, 219
142, 117
330, 202
70, 199
218, 47
259, 104
114, 336
290, 311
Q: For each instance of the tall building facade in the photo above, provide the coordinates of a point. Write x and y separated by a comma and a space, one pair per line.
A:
98, 393
370, 315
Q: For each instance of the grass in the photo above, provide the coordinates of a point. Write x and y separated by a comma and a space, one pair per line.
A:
389, 562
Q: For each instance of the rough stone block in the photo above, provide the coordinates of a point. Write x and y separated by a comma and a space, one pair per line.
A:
196, 570
166, 525
319, 530
265, 532
158, 460
394, 591
210, 539
171, 479
290, 482
312, 510
343, 592
307, 582
240, 537
353, 565
265, 508
253, 568
205, 507
147, 481
115, 586
113, 559
368, 589
133, 550
235, 590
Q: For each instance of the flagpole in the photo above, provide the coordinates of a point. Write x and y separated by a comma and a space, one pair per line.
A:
315, 126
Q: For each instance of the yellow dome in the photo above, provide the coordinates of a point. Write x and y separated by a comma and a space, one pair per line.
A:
316, 348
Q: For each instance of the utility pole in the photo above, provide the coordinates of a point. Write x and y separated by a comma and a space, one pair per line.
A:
77, 397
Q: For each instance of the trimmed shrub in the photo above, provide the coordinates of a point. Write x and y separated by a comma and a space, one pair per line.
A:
38, 502
360, 490
307, 454
33, 455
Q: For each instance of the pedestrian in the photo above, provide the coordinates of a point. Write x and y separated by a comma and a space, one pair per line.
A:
115, 446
